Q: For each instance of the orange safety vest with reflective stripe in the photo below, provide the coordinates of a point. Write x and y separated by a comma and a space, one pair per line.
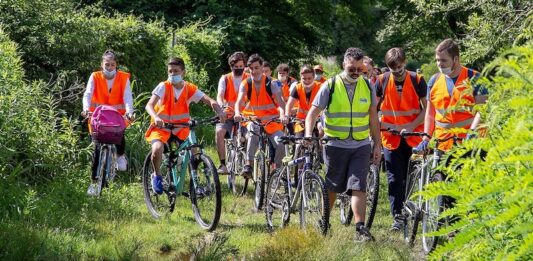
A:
304, 104
230, 95
452, 111
399, 111
262, 106
114, 97
174, 110
285, 88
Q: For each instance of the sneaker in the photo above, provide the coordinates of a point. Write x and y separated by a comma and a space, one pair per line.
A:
247, 171
363, 235
222, 170
398, 223
157, 184
92, 190
122, 163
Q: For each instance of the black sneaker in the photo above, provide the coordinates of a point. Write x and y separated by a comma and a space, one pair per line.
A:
363, 235
247, 171
398, 223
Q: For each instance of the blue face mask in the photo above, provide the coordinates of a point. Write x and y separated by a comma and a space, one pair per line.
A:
175, 79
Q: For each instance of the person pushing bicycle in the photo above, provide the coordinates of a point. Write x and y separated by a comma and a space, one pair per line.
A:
170, 104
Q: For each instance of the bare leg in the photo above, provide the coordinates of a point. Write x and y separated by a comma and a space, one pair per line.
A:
157, 155
332, 196
219, 137
358, 203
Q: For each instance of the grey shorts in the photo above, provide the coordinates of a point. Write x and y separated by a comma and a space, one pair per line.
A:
346, 169
228, 126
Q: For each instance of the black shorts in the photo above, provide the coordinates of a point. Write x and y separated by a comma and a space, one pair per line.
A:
346, 169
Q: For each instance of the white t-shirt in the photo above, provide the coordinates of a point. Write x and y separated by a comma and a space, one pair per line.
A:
160, 92
88, 94
222, 83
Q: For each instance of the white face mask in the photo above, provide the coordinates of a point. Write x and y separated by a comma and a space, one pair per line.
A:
318, 76
309, 86
348, 78
109, 74
283, 78
446, 71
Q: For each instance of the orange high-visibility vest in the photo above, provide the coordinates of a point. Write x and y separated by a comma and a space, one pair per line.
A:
399, 111
103, 96
262, 106
304, 104
173, 110
455, 111
230, 95
322, 80
285, 88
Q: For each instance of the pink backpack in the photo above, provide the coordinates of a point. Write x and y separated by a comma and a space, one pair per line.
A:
107, 125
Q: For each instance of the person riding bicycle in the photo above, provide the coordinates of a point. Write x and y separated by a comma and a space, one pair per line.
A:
170, 104
264, 103
319, 73
228, 88
450, 100
350, 111
400, 94
108, 87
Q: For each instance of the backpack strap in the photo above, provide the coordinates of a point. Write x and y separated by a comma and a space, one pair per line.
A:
383, 81
268, 84
249, 86
331, 89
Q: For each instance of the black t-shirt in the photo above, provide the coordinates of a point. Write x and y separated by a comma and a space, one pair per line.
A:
294, 93
421, 91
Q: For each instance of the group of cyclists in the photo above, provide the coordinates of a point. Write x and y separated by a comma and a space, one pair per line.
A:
359, 111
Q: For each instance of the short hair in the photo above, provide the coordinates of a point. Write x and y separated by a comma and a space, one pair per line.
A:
449, 46
177, 61
283, 67
236, 57
267, 64
109, 53
368, 60
394, 56
353, 53
255, 58
306, 68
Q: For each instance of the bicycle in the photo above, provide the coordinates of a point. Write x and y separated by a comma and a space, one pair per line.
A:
310, 193
372, 195
235, 145
178, 159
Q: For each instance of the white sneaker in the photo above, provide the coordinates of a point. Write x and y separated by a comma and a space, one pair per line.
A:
122, 163
91, 191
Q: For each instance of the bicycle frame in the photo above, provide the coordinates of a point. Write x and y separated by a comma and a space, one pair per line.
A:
183, 153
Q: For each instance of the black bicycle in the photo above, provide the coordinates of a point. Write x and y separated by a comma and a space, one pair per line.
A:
235, 145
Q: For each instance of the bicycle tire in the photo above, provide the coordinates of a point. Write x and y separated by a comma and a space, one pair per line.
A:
206, 198
259, 182
315, 189
277, 202
230, 164
430, 219
101, 169
158, 205
372, 190
241, 183
414, 215
346, 213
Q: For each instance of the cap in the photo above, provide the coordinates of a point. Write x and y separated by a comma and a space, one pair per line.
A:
318, 67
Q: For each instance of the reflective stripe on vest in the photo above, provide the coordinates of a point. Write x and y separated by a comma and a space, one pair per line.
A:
343, 117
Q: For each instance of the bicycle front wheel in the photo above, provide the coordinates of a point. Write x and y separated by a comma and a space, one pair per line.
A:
346, 213
412, 209
260, 181
204, 193
430, 218
372, 194
277, 201
104, 165
314, 203
158, 204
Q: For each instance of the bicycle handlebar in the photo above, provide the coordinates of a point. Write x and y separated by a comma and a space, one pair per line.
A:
192, 123
405, 133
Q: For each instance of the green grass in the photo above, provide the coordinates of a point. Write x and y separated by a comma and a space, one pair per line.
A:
61, 223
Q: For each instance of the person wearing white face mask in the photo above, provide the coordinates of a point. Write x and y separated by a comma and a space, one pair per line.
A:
109, 87
285, 79
450, 100
304, 93
319, 73
350, 115
170, 104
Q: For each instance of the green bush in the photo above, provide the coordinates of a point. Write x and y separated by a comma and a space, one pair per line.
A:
493, 195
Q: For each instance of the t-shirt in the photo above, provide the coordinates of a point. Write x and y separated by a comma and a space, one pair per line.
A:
160, 92
421, 91
222, 83
294, 93
275, 86
88, 94
321, 101
450, 83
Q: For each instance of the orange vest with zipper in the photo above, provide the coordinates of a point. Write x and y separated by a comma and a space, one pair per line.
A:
399, 111
262, 106
103, 96
230, 95
452, 111
304, 104
172, 110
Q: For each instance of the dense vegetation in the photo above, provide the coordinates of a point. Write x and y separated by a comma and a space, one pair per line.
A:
48, 48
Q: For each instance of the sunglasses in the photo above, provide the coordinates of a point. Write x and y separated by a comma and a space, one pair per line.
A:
356, 70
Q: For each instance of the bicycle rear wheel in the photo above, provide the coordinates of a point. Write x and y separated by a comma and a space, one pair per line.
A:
103, 167
346, 213
430, 218
158, 204
277, 201
260, 181
372, 191
314, 204
205, 196
412, 209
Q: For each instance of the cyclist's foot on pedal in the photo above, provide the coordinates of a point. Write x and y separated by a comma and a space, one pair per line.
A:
92, 190
157, 184
362, 234
398, 223
122, 163
222, 170
247, 171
